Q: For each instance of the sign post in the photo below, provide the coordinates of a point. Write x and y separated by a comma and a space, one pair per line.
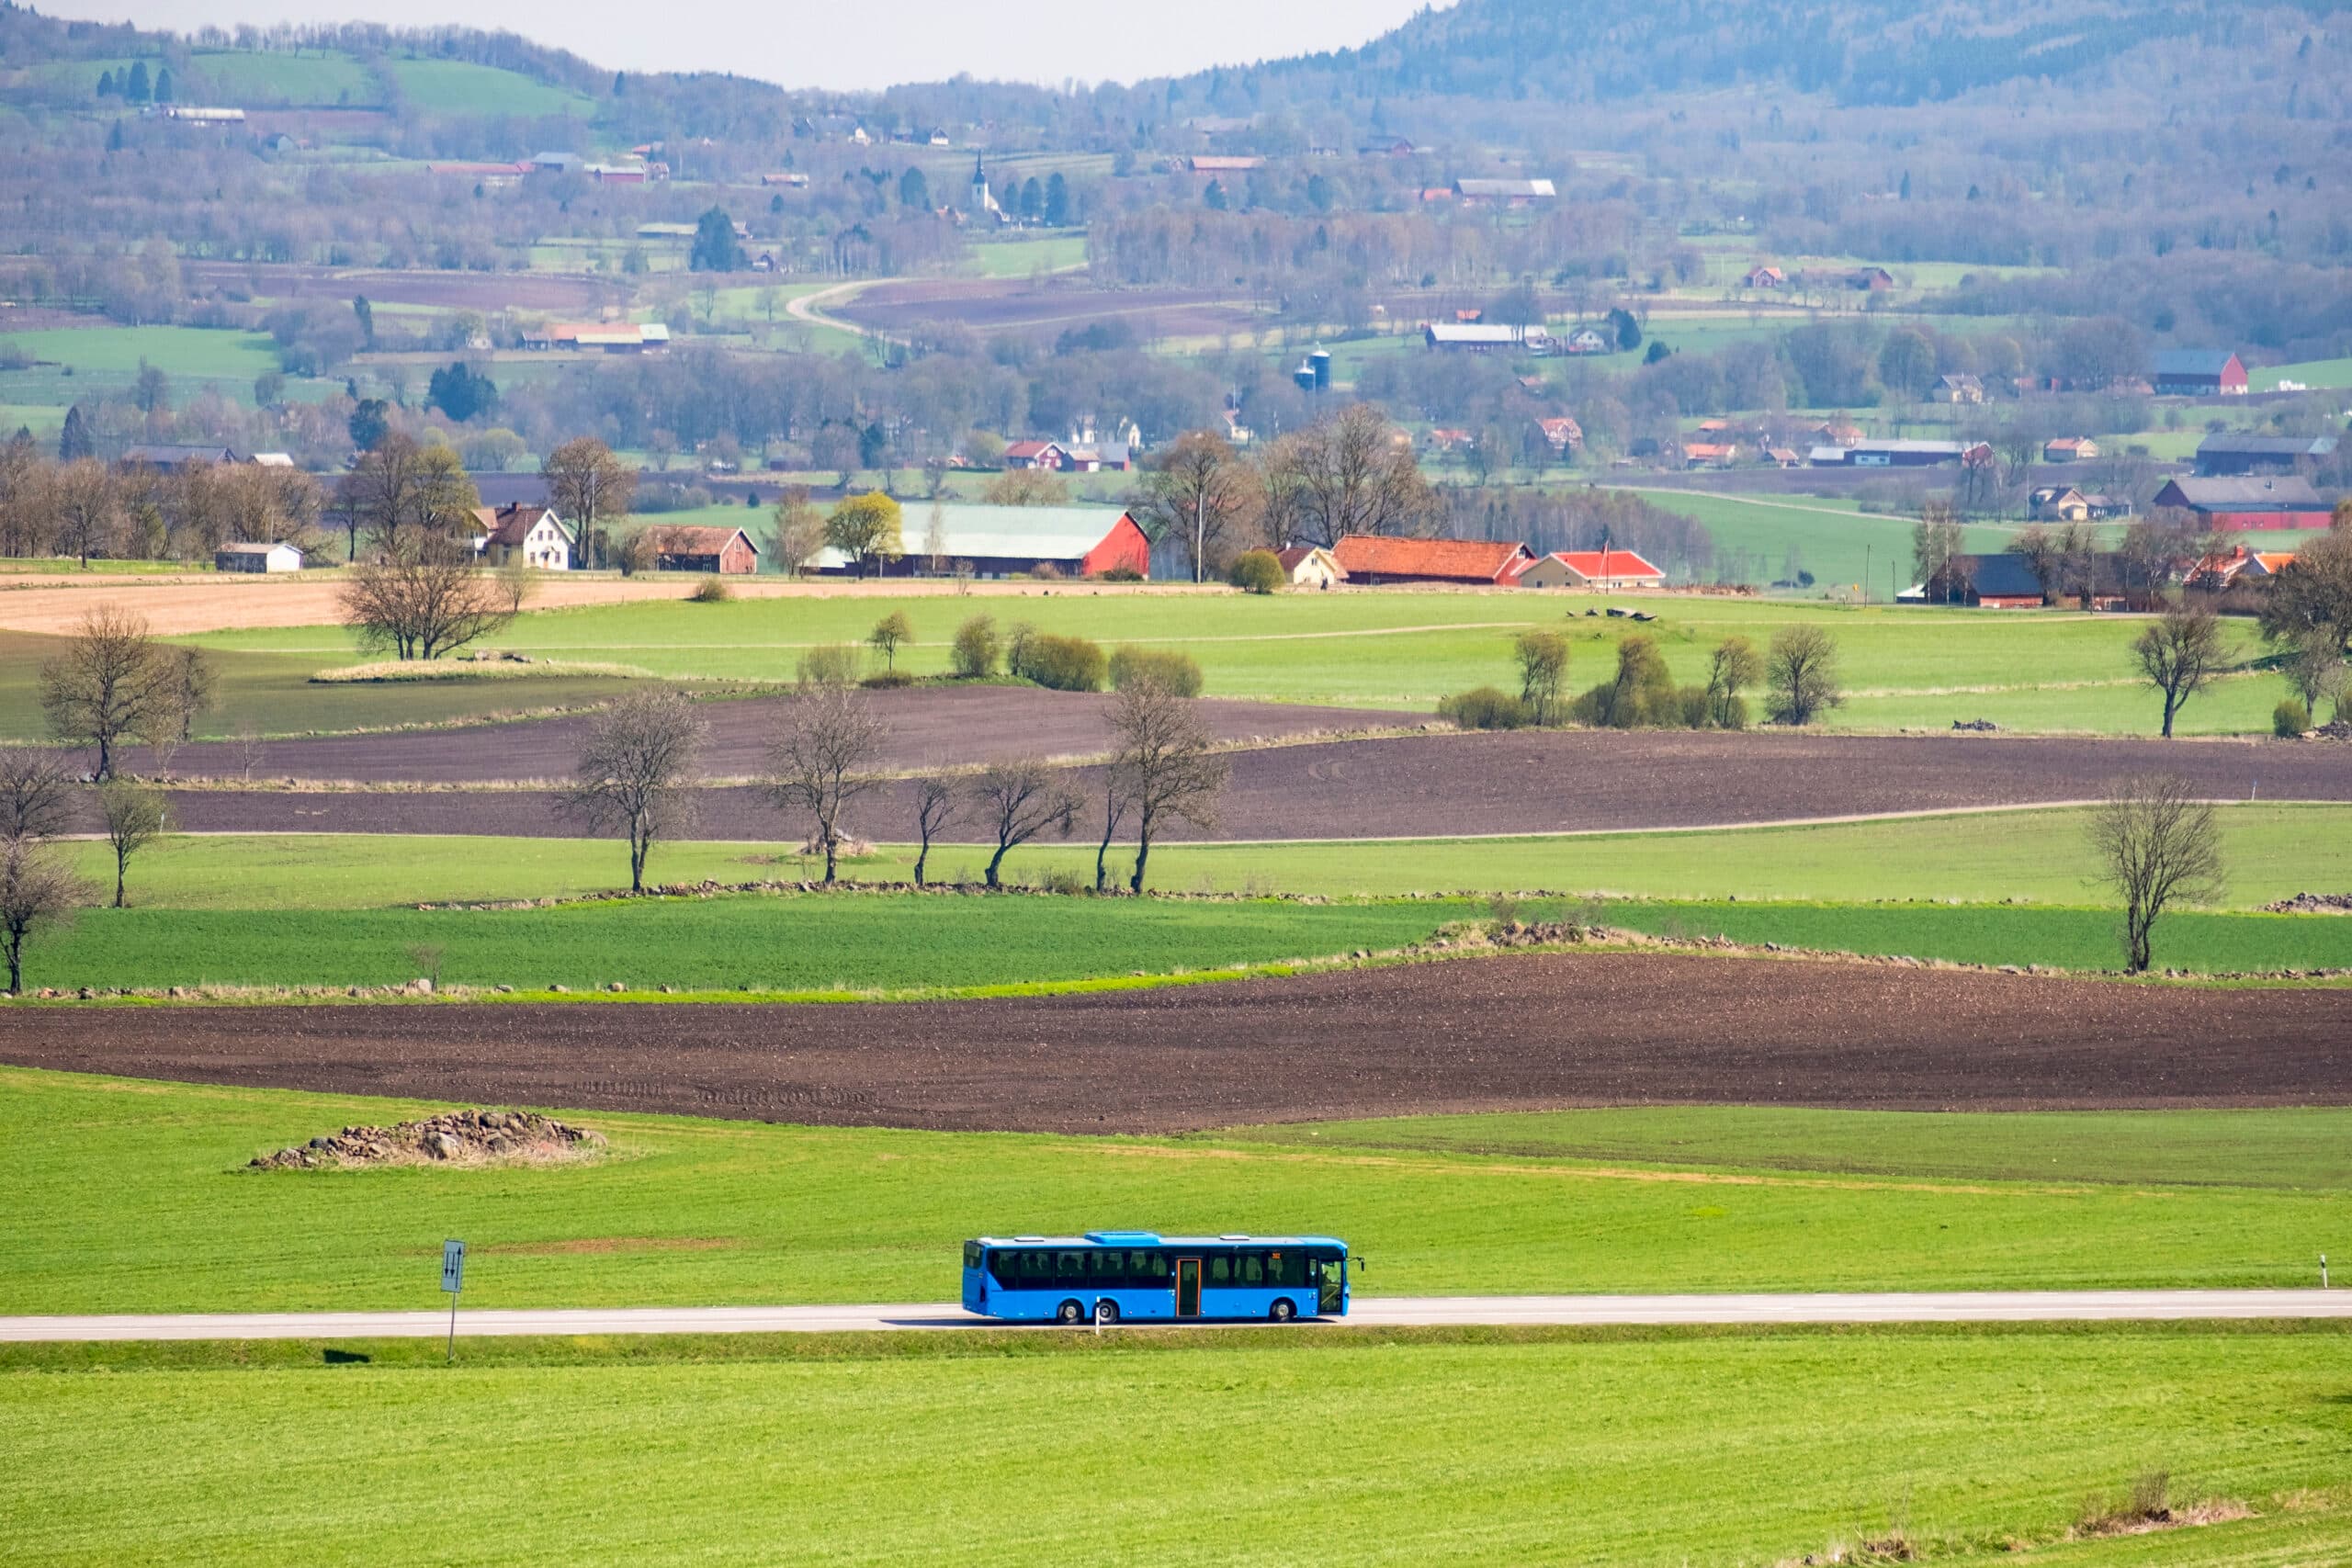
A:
453, 1280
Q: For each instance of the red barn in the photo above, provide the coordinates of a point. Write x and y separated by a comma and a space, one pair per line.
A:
726, 551
2278, 501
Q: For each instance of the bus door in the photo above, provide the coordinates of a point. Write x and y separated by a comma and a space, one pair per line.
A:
1331, 1286
1188, 1287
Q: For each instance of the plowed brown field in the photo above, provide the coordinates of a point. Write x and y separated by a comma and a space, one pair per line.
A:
1471, 1034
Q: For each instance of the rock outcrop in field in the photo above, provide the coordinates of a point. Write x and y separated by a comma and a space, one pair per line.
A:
455, 1137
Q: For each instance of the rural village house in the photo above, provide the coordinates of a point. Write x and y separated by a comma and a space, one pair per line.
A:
1609, 569
2200, 373
257, 557
521, 534
1311, 565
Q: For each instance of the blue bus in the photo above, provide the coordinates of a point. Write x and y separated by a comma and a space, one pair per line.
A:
1149, 1277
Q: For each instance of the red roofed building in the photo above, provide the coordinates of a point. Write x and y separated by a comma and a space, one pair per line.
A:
1563, 433
1049, 456
1590, 568
1373, 560
726, 551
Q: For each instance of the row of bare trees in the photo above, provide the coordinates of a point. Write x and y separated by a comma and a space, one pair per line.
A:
88, 509
638, 777
1349, 473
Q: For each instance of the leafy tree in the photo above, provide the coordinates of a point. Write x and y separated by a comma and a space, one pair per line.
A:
164, 85
1657, 351
1734, 667
106, 85
891, 632
1628, 331
974, 654
1214, 196
74, 441
1543, 665
2311, 596
914, 191
367, 314
799, 531
716, 249
2180, 655
461, 393
1058, 201
1906, 364
371, 420
1032, 200
1256, 572
865, 528
135, 89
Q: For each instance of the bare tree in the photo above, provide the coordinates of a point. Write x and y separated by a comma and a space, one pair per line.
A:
1201, 494
85, 509
2179, 655
36, 792
108, 684
935, 808
825, 760
1801, 675
2314, 667
425, 601
799, 530
1347, 473
403, 496
637, 772
1168, 761
590, 488
1118, 796
1018, 800
38, 892
135, 816
2157, 843
252, 749
1543, 665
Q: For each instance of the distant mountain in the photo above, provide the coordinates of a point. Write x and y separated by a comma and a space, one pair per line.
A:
1900, 52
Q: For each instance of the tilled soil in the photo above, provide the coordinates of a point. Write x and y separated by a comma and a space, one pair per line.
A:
927, 724
1471, 1034
1433, 785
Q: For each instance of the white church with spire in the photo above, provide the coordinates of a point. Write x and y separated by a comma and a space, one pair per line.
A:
982, 203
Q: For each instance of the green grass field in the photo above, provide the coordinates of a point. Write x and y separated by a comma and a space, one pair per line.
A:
461, 88
1021, 257
1902, 667
274, 691
683, 1210
795, 944
2330, 373
2030, 857
1641, 1449
196, 352
1841, 547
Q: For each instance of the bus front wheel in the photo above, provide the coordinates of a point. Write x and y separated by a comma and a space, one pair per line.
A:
1071, 1313
1284, 1310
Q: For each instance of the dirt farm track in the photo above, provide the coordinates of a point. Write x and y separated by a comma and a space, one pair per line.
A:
1470, 1035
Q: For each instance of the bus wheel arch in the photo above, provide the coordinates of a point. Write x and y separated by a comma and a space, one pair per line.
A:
1072, 1312
1284, 1310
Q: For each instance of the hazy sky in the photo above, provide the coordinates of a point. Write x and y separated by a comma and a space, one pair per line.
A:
843, 43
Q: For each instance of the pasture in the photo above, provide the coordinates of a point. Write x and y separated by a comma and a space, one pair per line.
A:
1642, 1448
2023, 857
689, 1211
461, 88
1903, 668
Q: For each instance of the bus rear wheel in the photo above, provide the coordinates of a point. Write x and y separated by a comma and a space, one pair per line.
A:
1107, 1311
1070, 1313
1283, 1310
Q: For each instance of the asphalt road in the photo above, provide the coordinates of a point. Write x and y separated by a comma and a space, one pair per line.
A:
1383, 1311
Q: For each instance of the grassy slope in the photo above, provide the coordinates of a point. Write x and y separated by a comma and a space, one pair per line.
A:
2028, 856
716, 1212
1636, 1449
1905, 668
1827, 538
198, 352
461, 88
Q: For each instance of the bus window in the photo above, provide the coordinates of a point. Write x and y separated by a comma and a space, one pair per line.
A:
1147, 1270
1327, 1285
1111, 1270
972, 1255
1286, 1270
1253, 1267
1220, 1272
1069, 1267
